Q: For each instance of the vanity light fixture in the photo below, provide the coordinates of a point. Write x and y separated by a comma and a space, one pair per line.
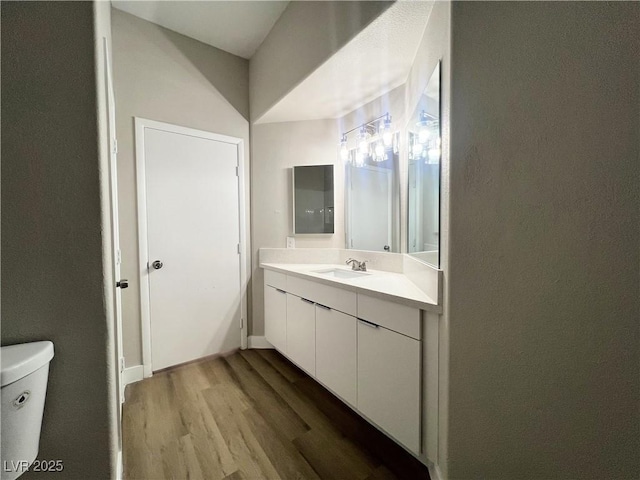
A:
387, 133
344, 151
379, 151
423, 127
363, 140
376, 133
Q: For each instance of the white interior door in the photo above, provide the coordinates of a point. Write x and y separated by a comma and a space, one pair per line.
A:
369, 208
193, 229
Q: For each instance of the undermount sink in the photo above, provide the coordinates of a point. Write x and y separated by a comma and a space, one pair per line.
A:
341, 273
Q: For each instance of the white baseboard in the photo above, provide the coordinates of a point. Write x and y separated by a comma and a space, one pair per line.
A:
258, 342
119, 466
132, 374
434, 472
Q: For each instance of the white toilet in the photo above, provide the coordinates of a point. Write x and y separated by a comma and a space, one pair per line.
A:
25, 370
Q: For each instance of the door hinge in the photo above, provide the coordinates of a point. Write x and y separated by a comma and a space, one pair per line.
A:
114, 146
238, 249
237, 172
118, 257
241, 323
121, 364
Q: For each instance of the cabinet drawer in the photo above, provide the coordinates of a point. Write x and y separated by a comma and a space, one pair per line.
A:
396, 317
275, 279
337, 298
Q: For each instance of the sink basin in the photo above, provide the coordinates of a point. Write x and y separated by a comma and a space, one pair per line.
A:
341, 273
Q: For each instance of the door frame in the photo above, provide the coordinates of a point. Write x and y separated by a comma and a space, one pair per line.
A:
145, 315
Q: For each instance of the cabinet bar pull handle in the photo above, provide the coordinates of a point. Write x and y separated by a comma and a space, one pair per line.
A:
323, 306
281, 291
369, 324
308, 301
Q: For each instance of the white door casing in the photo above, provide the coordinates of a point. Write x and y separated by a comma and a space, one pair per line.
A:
191, 217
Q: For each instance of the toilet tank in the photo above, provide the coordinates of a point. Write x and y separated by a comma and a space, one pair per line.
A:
24, 373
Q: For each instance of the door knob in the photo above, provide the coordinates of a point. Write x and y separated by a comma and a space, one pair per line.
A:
124, 283
157, 264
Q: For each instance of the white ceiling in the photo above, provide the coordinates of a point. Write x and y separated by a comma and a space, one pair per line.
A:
238, 27
376, 61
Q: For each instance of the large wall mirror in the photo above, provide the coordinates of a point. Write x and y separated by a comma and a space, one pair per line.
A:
371, 194
423, 206
313, 209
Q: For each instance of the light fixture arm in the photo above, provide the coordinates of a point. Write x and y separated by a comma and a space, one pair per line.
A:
370, 123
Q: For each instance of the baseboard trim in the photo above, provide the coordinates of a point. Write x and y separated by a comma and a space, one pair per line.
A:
258, 342
132, 374
434, 472
119, 467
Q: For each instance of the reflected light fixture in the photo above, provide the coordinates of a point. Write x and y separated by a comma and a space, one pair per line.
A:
379, 151
387, 133
344, 151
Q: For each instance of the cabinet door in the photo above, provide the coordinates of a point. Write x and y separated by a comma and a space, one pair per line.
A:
275, 317
336, 344
389, 382
301, 333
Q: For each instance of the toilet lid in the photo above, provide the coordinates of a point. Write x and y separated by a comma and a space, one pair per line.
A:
18, 361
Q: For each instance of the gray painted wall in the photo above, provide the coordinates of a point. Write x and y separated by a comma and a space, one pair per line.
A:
544, 244
303, 38
277, 147
164, 76
52, 242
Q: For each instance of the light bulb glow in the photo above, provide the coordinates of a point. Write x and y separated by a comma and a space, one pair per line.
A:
423, 134
379, 151
387, 137
417, 149
387, 134
359, 159
433, 155
344, 153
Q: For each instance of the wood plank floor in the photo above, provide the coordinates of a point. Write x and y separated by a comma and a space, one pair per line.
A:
251, 415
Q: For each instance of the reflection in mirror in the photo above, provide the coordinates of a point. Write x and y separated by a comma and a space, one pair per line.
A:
371, 197
313, 199
423, 211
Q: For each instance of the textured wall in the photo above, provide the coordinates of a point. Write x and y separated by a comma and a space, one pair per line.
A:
544, 274
303, 38
276, 148
52, 265
165, 76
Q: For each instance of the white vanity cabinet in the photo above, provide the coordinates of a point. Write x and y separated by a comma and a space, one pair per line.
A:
366, 350
336, 354
301, 332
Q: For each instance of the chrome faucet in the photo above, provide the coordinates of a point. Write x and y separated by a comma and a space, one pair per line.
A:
356, 265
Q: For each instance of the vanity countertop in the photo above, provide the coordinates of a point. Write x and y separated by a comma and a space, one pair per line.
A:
395, 287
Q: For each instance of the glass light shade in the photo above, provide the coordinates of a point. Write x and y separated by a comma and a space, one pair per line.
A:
433, 155
379, 151
423, 134
344, 152
387, 134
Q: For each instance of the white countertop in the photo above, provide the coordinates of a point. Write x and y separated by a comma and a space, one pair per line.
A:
385, 285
